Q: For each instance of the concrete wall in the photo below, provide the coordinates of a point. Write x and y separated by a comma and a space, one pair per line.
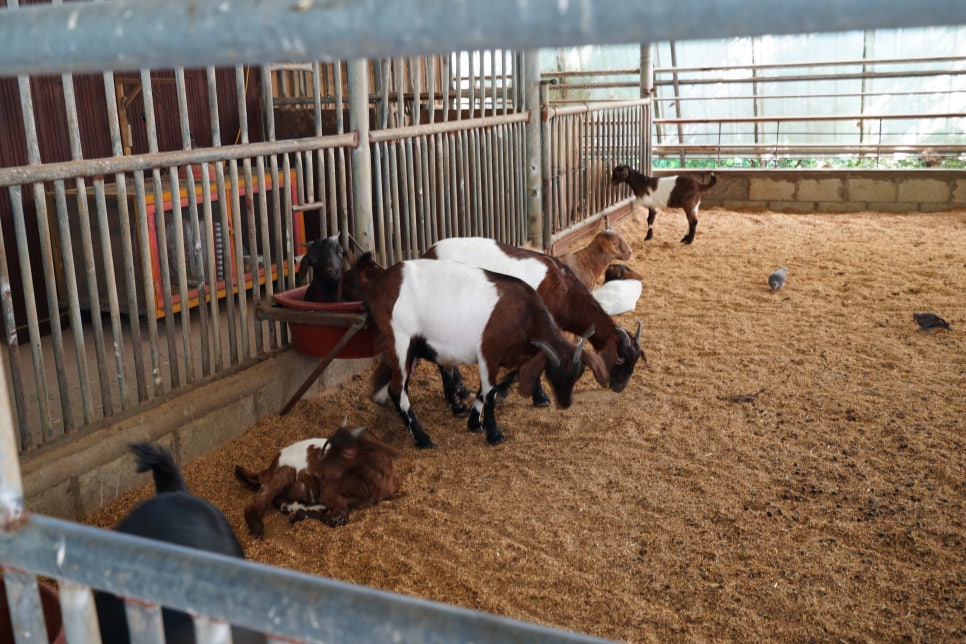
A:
86, 473
838, 190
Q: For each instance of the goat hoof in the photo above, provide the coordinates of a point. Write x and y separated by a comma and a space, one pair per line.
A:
649, 235
495, 440
476, 429
461, 411
427, 445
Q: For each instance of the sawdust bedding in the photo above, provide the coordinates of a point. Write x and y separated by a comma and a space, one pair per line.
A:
790, 468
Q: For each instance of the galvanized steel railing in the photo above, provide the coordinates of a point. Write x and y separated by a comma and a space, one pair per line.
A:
582, 144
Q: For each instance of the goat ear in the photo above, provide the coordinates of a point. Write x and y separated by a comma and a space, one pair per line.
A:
303, 271
529, 373
595, 362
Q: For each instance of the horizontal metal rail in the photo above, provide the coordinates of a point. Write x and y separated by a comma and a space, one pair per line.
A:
139, 162
809, 77
552, 112
429, 129
813, 117
72, 37
289, 604
931, 60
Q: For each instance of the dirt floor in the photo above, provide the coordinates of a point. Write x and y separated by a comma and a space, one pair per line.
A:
790, 468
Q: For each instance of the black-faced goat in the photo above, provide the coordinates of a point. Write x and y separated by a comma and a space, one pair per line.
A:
676, 191
331, 282
454, 314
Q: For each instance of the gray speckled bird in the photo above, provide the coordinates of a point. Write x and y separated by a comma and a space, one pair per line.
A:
777, 279
931, 321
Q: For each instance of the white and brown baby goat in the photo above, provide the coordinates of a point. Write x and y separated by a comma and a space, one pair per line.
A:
676, 191
454, 314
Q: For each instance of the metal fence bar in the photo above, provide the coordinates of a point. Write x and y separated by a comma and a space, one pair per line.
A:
74, 39
249, 594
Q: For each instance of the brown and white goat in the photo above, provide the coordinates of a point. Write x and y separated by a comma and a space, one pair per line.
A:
453, 314
675, 191
589, 262
322, 478
570, 303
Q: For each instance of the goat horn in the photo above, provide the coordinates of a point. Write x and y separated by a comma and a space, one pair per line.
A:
637, 335
625, 338
589, 332
579, 350
551, 354
357, 432
345, 421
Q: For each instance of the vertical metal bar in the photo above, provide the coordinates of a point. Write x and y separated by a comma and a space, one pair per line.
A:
397, 229
30, 305
268, 92
197, 274
493, 106
26, 611
110, 281
182, 274
471, 81
507, 56
536, 216
241, 92
266, 242
431, 87
425, 191
13, 352
486, 182
412, 215
289, 222
416, 85
677, 95
647, 91
224, 253
277, 227
452, 141
11, 482
459, 84
46, 252
78, 611
209, 270
147, 94
380, 204
361, 154
431, 182
399, 67
447, 77
333, 220
385, 89
77, 153
73, 310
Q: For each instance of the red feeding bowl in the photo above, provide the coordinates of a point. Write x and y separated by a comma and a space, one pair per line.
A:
319, 340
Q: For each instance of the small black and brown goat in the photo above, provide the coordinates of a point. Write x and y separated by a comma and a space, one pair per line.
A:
322, 479
331, 282
453, 314
675, 191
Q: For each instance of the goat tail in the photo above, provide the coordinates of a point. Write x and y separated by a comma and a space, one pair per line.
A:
247, 478
167, 474
711, 181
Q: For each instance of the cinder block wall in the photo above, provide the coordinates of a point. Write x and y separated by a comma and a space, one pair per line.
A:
838, 190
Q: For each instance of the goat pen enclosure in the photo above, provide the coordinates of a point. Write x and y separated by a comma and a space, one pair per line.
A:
253, 195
